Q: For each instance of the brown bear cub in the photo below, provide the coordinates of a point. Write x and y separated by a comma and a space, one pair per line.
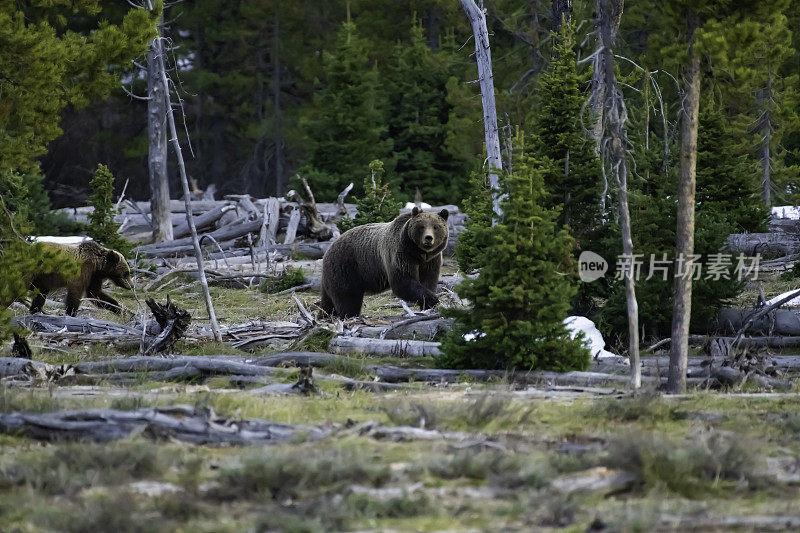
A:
404, 255
97, 265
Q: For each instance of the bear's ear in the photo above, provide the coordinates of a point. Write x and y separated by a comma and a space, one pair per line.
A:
415, 211
444, 213
112, 257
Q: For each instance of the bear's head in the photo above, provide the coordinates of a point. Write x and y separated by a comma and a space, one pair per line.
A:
117, 269
428, 231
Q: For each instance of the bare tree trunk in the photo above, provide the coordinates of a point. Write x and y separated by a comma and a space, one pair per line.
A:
598, 97
157, 152
176, 145
764, 96
615, 143
483, 55
562, 12
682, 295
281, 183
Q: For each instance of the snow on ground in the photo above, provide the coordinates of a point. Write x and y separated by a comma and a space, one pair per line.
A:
412, 205
593, 338
69, 241
794, 302
786, 211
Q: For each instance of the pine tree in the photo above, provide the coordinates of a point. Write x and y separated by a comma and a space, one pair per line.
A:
725, 185
574, 179
417, 115
377, 204
345, 130
478, 208
47, 65
521, 295
102, 226
727, 202
19, 259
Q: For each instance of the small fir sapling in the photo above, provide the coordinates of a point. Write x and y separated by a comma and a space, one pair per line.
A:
102, 226
522, 292
377, 204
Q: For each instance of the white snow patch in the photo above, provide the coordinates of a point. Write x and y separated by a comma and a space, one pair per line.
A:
593, 338
472, 335
68, 241
794, 302
786, 211
412, 205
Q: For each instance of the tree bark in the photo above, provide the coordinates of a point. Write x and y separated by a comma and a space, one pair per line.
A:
483, 56
764, 96
562, 12
176, 145
682, 295
281, 183
157, 152
616, 140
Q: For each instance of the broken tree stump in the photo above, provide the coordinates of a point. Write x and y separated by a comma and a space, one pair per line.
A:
21, 348
173, 321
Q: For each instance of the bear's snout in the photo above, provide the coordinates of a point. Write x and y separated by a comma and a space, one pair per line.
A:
428, 239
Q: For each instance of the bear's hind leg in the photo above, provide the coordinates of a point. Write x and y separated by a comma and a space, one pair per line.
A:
349, 304
326, 304
73, 300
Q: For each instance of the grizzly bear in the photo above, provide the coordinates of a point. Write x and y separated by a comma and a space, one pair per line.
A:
97, 265
404, 255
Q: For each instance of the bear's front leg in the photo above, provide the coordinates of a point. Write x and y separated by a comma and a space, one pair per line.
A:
405, 287
38, 302
102, 299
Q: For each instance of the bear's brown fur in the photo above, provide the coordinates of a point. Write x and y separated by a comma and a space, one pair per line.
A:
97, 265
404, 255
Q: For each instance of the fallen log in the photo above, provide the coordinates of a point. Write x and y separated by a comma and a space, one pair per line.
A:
399, 348
42, 323
201, 222
16, 366
776, 322
205, 365
183, 423
226, 233
765, 244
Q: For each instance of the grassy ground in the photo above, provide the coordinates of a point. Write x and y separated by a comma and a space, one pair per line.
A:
499, 462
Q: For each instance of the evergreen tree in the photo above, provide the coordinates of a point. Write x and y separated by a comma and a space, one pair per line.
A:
19, 259
46, 65
417, 115
574, 179
727, 202
377, 204
521, 295
478, 208
345, 130
102, 226
725, 185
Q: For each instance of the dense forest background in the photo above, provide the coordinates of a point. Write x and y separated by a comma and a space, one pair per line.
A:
273, 88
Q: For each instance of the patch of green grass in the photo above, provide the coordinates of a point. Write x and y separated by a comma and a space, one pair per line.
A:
710, 464
205, 348
286, 279
647, 408
353, 367
317, 340
497, 468
70, 467
289, 473
489, 411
